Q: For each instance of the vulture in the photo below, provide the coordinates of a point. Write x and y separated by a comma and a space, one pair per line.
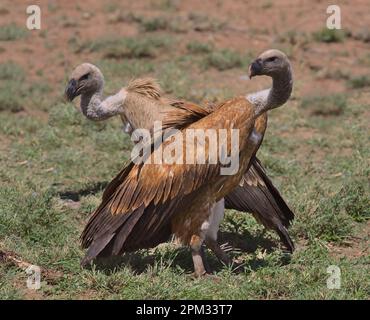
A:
145, 203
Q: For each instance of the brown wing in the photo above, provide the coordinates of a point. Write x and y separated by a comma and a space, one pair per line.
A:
139, 203
258, 195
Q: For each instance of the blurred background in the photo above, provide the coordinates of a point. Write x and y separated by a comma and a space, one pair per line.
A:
55, 164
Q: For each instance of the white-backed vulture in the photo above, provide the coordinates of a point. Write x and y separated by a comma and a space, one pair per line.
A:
108, 238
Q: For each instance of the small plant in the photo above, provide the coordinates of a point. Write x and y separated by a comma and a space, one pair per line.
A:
199, 47
224, 59
359, 82
117, 48
330, 35
11, 71
293, 38
154, 24
12, 32
121, 16
202, 23
325, 105
356, 200
9, 97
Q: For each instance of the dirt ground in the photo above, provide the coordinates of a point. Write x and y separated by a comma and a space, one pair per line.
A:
249, 27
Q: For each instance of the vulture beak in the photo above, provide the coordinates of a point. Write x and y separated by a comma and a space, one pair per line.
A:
71, 90
255, 68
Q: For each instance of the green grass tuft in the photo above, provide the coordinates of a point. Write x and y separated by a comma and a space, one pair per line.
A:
154, 24
12, 32
355, 198
330, 105
196, 47
10, 97
11, 71
359, 82
329, 35
117, 48
224, 59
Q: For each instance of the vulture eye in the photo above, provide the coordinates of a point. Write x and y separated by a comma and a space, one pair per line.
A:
271, 59
85, 77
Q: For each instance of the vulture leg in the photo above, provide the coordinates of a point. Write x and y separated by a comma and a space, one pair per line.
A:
197, 254
215, 219
205, 262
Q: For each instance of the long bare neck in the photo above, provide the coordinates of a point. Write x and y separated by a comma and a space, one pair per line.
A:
94, 107
274, 97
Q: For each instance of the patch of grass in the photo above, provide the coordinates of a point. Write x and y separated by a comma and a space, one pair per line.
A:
204, 23
117, 48
224, 59
177, 24
30, 216
355, 199
119, 72
154, 24
359, 82
196, 47
327, 220
330, 105
123, 16
293, 38
12, 32
173, 78
180, 24
329, 35
10, 97
11, 71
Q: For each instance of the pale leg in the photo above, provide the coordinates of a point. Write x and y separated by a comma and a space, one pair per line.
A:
218, 212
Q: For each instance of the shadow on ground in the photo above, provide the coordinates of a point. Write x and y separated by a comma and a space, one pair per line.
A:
75, 195
180, 258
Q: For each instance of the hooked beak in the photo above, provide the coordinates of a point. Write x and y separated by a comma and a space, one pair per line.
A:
255, 68
71, 90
